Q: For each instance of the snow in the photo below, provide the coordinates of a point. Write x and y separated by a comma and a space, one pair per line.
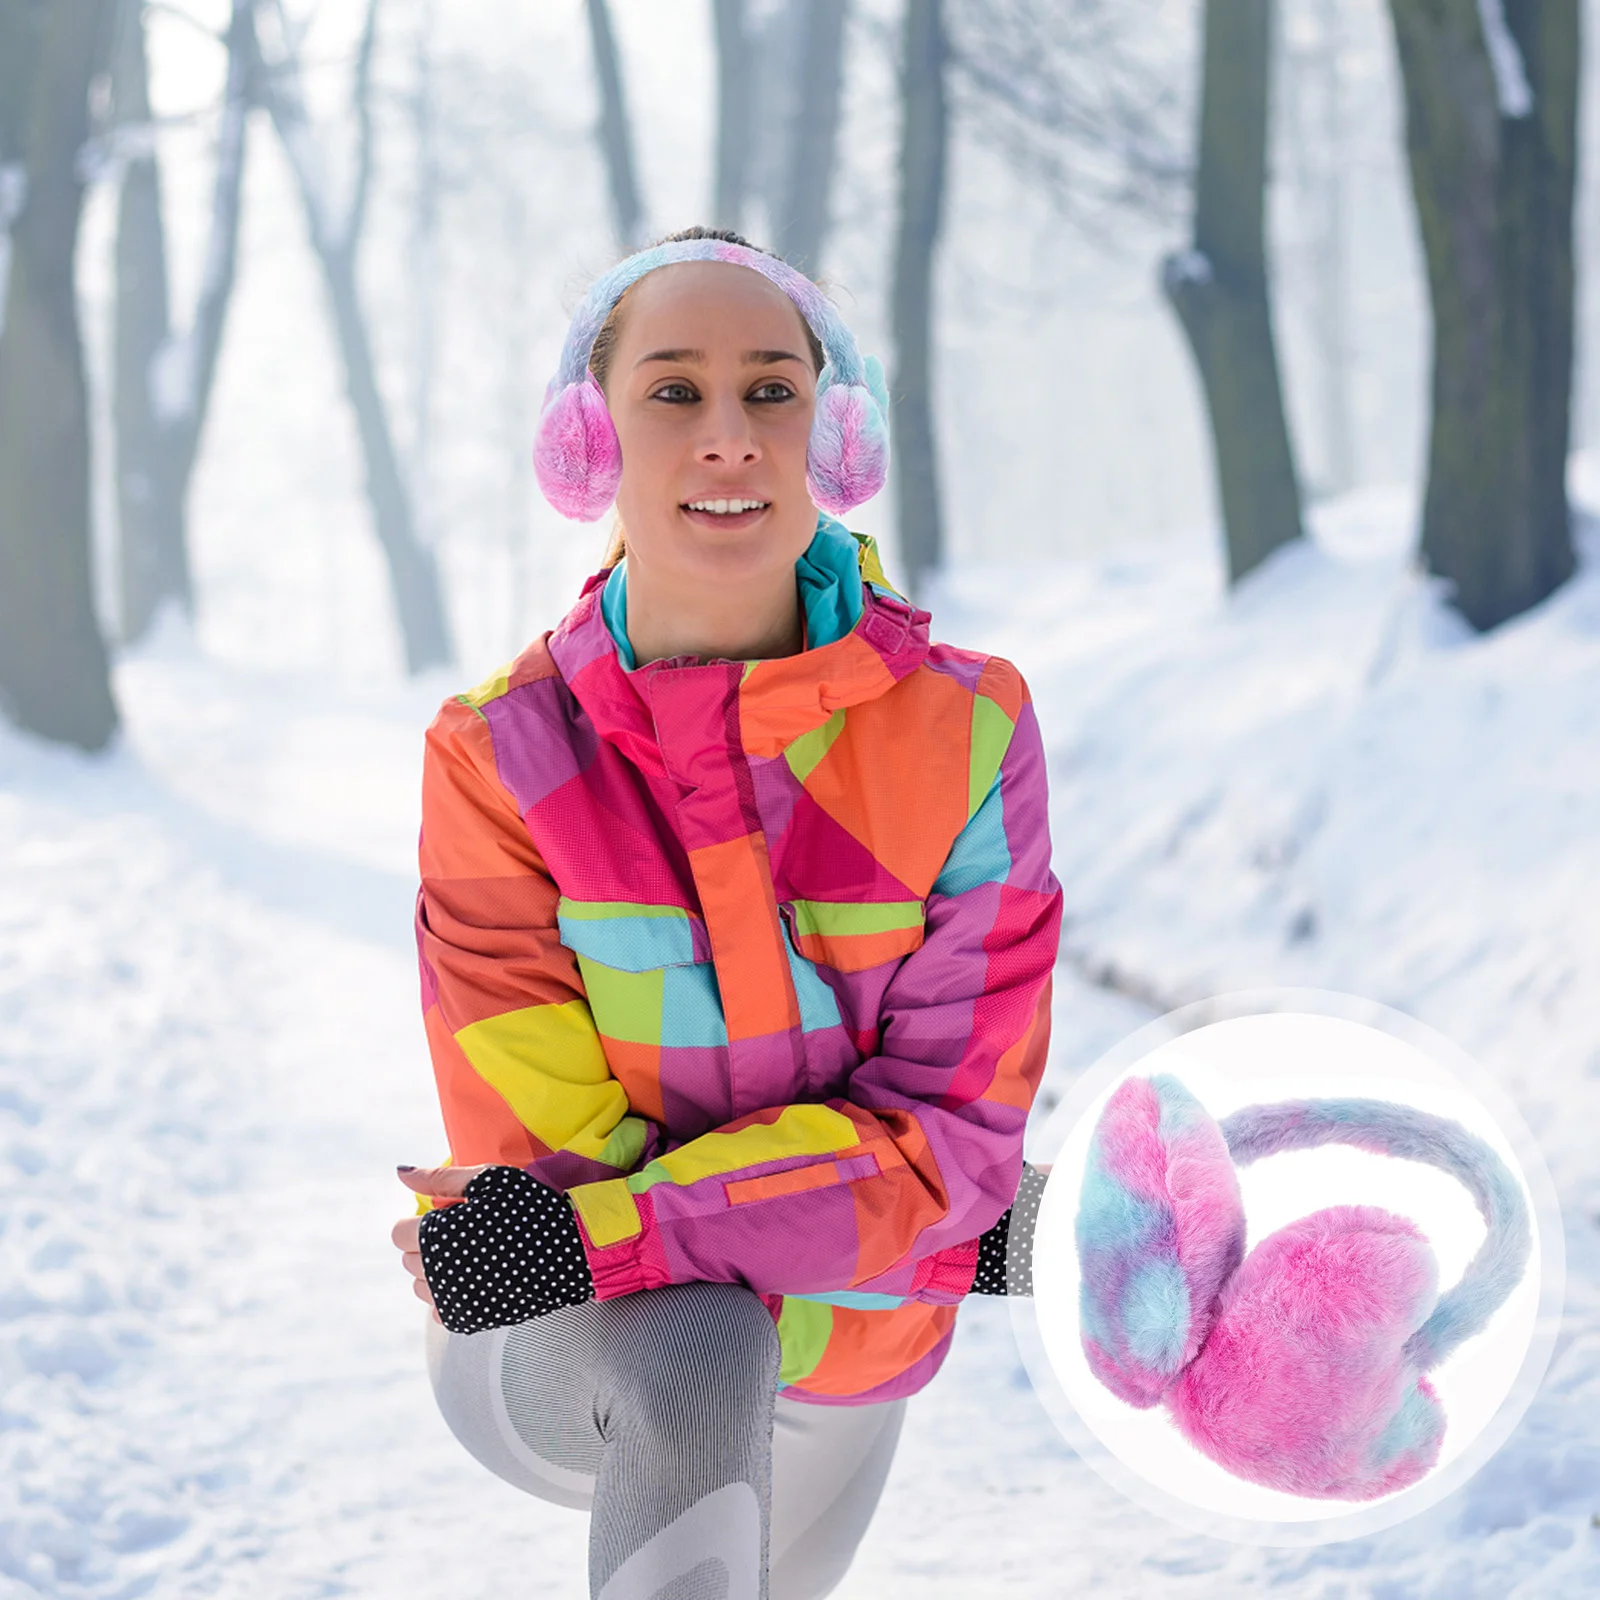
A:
1185, 267
210, 1057
1512, 89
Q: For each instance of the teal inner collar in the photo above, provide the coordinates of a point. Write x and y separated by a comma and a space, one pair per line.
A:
829, 576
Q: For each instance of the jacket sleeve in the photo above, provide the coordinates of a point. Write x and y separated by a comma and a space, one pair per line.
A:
881, 1196
522, 1077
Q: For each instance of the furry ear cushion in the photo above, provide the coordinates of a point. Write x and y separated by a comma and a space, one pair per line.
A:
1160, 1229
1303, 1383
576, 454
847, 460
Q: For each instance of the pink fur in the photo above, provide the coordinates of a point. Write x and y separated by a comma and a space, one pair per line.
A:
1303, 1370
1133, 1152
848, 459
576, 456
1209, 1212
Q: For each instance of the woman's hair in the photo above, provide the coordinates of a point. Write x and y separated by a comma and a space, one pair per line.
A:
605, 344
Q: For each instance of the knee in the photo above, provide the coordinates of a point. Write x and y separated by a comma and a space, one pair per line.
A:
719, 1335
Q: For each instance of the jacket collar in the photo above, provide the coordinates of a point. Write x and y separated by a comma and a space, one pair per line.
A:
778, 700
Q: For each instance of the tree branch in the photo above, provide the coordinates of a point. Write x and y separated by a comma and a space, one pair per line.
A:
361, 105
204, 340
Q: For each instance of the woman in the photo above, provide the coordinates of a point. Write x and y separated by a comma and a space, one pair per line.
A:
736, 931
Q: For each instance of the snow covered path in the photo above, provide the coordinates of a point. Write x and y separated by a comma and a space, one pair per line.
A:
211, 1376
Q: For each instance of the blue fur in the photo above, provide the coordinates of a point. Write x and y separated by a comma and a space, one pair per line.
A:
1415, 1421
1155, 1315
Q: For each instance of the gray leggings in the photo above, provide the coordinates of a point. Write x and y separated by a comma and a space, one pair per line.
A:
658, 1411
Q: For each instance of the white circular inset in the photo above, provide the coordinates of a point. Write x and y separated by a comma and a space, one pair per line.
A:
1256, 1048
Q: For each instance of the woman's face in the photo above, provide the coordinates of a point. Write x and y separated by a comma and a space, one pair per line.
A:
711, 388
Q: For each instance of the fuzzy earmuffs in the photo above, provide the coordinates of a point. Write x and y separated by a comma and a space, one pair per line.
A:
1301, 1366
576, 454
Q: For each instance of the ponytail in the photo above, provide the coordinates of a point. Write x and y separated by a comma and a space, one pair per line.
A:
618, 547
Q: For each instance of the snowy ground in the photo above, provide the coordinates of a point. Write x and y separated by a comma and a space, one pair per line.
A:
210, 1365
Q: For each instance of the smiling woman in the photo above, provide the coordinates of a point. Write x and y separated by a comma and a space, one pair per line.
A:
736, 931
714, 429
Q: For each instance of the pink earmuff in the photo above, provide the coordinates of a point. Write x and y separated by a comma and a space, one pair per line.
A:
1299, 1366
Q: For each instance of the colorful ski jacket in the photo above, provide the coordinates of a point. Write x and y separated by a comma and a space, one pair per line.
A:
751, 959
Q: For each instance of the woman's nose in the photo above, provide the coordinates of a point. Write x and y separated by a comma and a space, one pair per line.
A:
727, 437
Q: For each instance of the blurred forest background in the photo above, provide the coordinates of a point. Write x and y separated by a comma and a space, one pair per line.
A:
290, 277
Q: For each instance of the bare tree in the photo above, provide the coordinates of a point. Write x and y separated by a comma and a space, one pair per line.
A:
1218, 286
162, 378
1312, 277
18, 61
800, 221
793, 56
923, 138
616, 130
735, 100
54, 675
1491, 129
336, 239
424, 269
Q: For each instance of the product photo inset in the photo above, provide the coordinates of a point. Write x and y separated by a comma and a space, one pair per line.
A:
1301, 1366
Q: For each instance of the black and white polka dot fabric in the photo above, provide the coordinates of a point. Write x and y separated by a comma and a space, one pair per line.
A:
1002, 1269
512, 1251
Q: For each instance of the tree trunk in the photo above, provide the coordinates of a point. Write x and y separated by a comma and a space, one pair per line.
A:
414, 578
801, 227
424, 266
19, 53
616, 130
413, 573
1332, 285
153, 564
735, 99
162, 379
1492, 141
54, 676
922, 180
776, 41
1218, 288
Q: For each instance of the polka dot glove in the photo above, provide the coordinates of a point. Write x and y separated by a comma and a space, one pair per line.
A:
510, 1251
995, 1254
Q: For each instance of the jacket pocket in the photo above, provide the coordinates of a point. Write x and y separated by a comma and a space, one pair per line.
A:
852, 935
632, 937
796, 1180
647, 971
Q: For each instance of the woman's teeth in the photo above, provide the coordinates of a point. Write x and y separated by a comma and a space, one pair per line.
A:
725, 508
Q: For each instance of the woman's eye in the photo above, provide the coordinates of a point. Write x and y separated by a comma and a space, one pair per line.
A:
675, 392
773, 391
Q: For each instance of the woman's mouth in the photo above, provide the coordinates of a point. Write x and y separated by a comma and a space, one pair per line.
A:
725, 513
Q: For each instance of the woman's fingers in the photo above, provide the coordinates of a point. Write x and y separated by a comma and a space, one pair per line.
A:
438, 1183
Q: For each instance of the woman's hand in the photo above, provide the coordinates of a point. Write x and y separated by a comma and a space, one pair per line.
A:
438, 1183
510, 1251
